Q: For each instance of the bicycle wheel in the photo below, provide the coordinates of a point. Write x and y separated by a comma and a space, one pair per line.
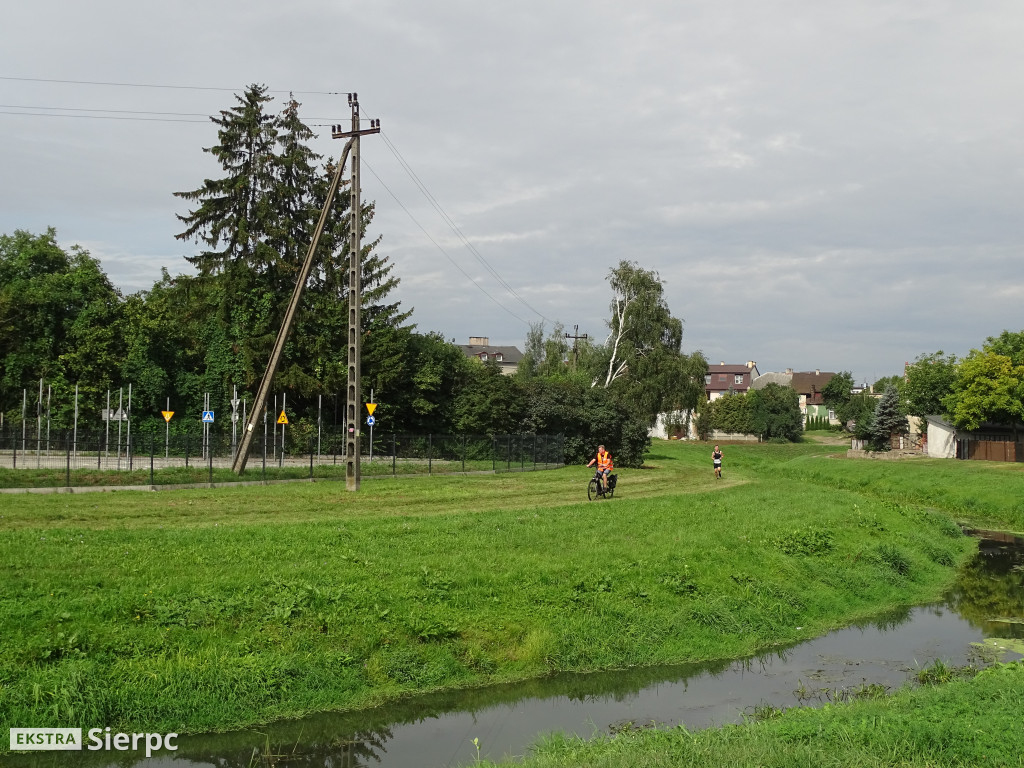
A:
592, 490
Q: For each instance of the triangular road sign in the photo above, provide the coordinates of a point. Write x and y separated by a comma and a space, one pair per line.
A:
282, 419
371, 407
167, 415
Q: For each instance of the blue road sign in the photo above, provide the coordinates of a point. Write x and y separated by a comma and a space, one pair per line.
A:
208, 417
370, 421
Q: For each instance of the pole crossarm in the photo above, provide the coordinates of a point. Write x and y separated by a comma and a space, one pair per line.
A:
339, 134
260, 402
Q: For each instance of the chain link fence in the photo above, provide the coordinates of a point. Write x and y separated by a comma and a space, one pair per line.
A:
105, 460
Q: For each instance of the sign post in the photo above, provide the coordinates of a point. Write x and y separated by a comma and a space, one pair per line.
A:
283, 421
167, 429
370, 421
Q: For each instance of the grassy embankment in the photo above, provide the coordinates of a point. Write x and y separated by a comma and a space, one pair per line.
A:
961, 724
210, 609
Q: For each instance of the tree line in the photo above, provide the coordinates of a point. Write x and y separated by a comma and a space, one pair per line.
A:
772, 413
63, 321
984, 387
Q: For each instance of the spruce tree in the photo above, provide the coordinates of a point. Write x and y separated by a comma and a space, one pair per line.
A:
889, 420
256, 223
231, 219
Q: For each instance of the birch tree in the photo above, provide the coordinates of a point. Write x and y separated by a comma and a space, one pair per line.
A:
643, 355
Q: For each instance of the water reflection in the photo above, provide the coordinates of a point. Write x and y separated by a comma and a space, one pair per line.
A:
438, 729
991, 587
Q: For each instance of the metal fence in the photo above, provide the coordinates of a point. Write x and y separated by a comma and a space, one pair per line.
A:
103, 460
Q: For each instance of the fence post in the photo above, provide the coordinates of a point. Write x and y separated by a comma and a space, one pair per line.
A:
430, 452
463, 454
311, 458
186, 450
263, 475
68, 466
394, 454
534, 451
152, 447
209, 457
494, 453
14, 455
508, 453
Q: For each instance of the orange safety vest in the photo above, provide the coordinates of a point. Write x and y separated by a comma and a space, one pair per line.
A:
604, 461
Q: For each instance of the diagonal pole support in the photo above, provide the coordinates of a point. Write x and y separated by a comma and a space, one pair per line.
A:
242, 455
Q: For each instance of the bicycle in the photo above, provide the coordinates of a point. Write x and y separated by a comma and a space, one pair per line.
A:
594, 487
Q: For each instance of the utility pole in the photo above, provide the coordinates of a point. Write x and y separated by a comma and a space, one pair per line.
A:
575, 337
260, 402
353, 408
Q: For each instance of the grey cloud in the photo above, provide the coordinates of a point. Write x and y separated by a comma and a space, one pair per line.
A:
821, 186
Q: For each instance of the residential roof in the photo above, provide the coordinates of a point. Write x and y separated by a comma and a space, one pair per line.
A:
806, 382
727, 368
772, 377
508, 354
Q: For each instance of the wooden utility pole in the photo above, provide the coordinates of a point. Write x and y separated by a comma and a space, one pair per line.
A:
575, 337
242, 455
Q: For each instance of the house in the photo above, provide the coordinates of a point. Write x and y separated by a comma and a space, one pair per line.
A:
941, 438
722, 379
808, 386
480, 347
990, 442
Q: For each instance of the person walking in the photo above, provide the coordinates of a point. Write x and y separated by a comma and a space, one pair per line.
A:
716, 460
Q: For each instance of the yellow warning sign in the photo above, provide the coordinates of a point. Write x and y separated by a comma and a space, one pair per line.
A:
167, 415
371, 407
282, 419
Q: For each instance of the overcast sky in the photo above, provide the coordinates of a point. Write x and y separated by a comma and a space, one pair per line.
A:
820, 185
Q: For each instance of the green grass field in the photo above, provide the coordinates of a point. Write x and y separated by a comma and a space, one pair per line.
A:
212, 609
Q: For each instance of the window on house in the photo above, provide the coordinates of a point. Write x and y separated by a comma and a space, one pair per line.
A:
738, 378
831, 415
483, 356
498, 357
707, 378
721, 377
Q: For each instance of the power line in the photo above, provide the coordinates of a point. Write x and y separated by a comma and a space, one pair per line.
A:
438, 246
137, 112
115, 114
117, 111
156, 85
109, 117
455, 228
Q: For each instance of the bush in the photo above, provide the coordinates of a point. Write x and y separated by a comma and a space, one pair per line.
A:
588, 417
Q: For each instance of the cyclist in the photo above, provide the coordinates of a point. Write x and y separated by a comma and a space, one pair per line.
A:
604, 466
